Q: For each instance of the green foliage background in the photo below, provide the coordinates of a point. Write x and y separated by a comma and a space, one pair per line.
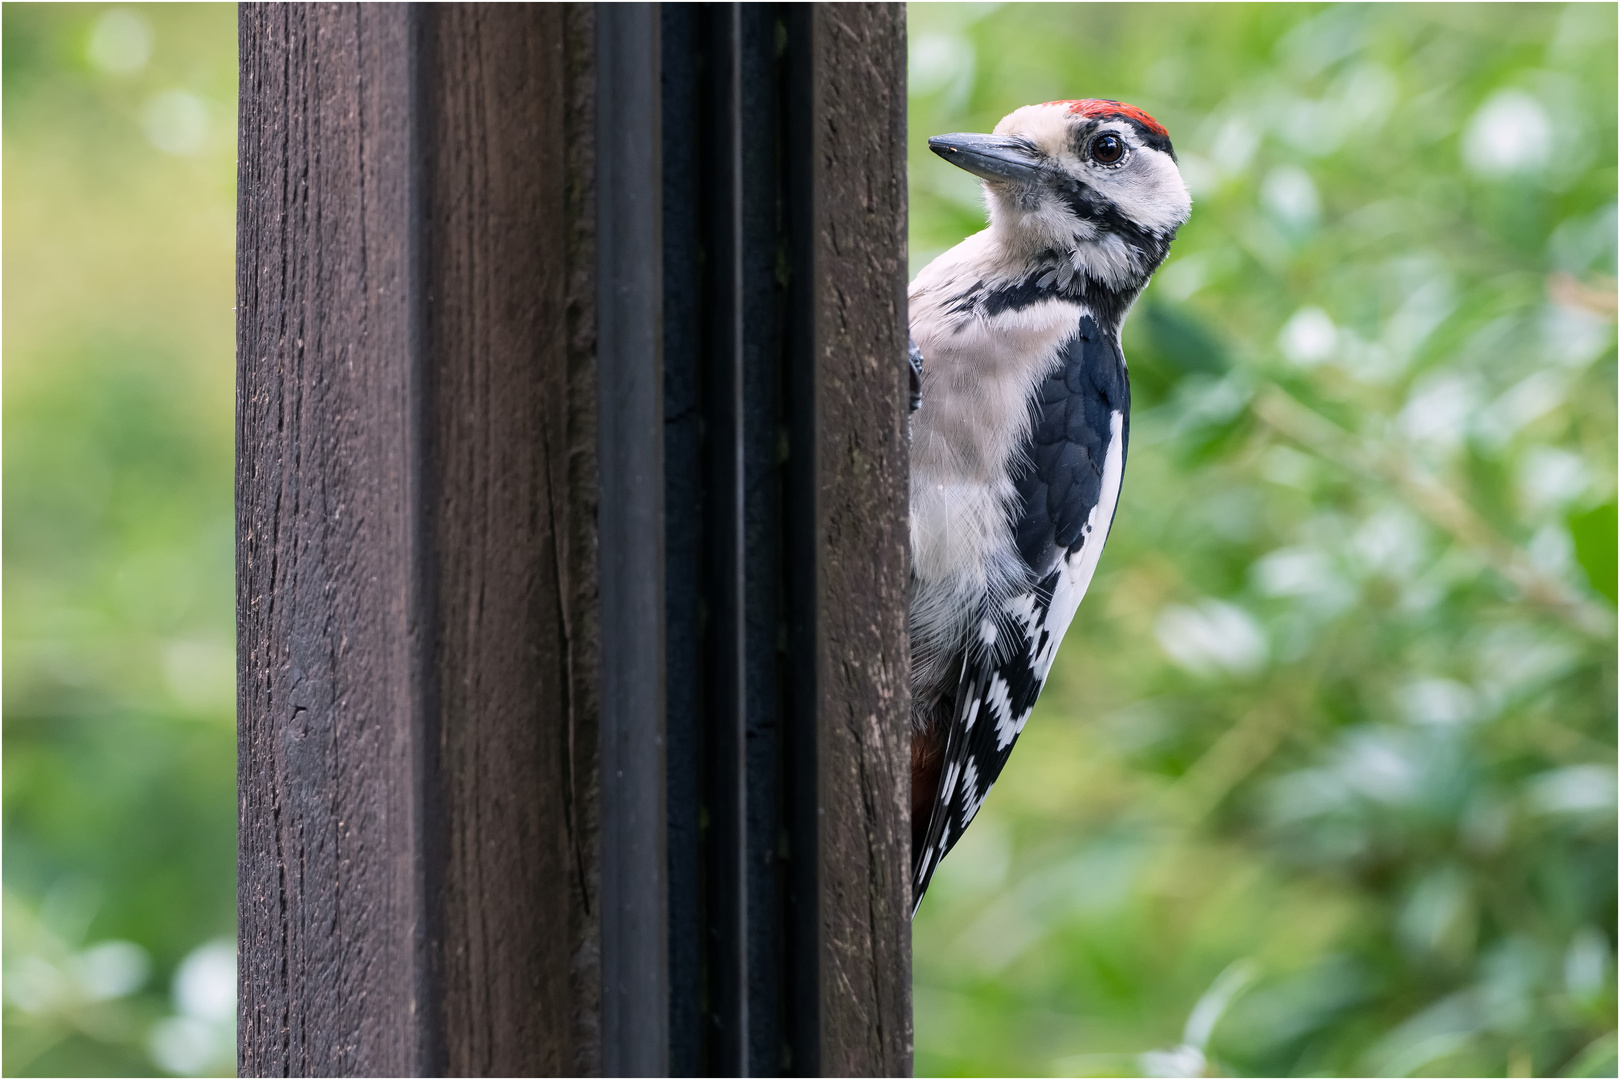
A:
119, 701
1325, 779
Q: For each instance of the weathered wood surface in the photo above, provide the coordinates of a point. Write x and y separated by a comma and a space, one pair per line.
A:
510, 462
859, 243
416, 477
419, 636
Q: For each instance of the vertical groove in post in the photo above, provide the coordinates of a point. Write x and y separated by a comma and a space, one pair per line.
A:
733, 978
725, 601
422, 603
785, 479
680, 26
724, 359
760, 300
629, 344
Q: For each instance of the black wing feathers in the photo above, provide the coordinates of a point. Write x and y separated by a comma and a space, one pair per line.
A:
1068, 441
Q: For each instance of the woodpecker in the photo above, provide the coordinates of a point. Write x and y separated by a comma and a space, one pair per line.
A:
1018, 443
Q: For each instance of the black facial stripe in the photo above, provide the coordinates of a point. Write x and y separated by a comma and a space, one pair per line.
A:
1052, 277
1086, 203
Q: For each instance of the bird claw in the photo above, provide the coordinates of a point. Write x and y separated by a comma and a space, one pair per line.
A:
916, 359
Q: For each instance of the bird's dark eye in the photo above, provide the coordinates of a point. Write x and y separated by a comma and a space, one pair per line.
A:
1107, 149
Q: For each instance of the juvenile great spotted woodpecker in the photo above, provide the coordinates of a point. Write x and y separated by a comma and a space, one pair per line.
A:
1018, 444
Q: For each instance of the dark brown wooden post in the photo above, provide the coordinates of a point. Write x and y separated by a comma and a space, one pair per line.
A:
856, 171
461, 652
416, 581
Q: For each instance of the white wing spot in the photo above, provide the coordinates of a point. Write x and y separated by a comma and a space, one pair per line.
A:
1022, 608
1001, 709
947, 787
970, 810
971, 799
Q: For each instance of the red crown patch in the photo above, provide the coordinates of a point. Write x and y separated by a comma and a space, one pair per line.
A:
1097, 107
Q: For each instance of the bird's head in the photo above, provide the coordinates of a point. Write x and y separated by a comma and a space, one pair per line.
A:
1092, 180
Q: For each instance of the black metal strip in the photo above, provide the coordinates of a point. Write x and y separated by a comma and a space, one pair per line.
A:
741, 854
760, 300
800, 568
724, 594
684, 159
635, 916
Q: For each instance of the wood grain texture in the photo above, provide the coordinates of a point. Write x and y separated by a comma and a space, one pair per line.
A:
418, 601
416, 584
509, 465
329, 706
859, 245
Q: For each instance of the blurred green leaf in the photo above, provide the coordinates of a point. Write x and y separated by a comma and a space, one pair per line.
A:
1599, 1059
1596, 533
1166, 345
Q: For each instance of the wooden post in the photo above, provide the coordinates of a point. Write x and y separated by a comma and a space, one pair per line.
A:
416, 578
857, 301
480, 727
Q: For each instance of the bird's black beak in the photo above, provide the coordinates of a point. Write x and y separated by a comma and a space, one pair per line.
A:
990, 157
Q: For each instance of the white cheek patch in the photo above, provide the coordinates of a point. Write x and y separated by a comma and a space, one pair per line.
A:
1149, 191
